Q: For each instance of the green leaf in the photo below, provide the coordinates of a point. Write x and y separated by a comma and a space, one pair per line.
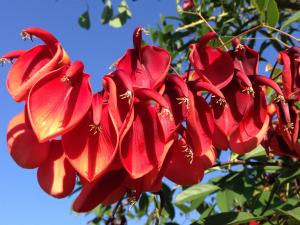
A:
124, 8
143, 202
260, 5
195, 192
118, 21
294, 213
259, 151
272, 13
107, 12
84, 20
183, 208
297, 104
229, 218
292, 19
228, 199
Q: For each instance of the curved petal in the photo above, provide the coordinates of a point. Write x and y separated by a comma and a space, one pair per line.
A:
150, 70
287, 78
214, 64
91, 147
200, 124
181, 170
44, 35
69, 99
252, 128
23, 144
142, 148
29, 68
56, 176
106, 190
13, 54
228, 117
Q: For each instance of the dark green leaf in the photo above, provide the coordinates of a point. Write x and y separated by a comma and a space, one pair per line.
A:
124, 8
143, 202
84, 20
229, 218
107, 12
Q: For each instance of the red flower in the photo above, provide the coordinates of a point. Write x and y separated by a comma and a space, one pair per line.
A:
92, 145
212, 65
147, 66
243, 122
58, 101
33, 64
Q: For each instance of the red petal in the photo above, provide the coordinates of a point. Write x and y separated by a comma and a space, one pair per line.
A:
286, 74
214, 64
56, 176
245, 59
146, 94
252, 128
92, 147
107, 190
209, 158
228, 117
120, 100
44, 35
13, 54
67, 104
200, 124
29, 68
199, 85
23, 144
182, 170
150, 70
263, 80
142, 148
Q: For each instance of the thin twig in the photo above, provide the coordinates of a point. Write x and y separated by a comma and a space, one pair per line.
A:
161, 205
281, 32
251, 163
213, 30
174, 70
268, 27
273, 69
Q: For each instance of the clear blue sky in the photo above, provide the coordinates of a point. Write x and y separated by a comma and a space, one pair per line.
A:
22, 202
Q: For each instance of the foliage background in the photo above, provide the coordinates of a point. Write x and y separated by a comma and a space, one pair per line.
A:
22, 202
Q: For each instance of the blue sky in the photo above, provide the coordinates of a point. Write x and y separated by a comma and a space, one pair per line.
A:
22, 202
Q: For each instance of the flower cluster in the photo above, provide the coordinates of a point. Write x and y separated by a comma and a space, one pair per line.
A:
146, 123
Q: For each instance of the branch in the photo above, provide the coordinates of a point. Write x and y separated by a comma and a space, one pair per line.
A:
251, 163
